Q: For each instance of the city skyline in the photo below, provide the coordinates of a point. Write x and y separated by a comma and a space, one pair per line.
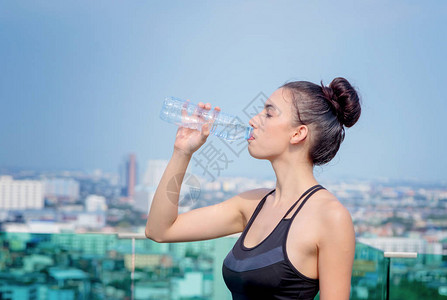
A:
83, 94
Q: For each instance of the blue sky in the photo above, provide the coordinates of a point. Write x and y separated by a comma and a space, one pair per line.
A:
82, 82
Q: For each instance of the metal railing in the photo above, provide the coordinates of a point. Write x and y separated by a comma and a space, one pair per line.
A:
388, 255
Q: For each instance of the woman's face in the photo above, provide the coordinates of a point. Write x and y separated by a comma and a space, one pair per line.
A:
272, 127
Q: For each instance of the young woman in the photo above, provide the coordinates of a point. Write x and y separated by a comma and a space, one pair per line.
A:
297, 239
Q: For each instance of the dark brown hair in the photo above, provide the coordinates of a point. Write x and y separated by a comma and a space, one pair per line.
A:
326, 110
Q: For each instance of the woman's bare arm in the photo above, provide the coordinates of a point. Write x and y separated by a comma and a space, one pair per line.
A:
165, 225
336, 250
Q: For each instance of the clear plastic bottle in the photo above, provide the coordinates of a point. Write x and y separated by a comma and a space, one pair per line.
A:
225, 126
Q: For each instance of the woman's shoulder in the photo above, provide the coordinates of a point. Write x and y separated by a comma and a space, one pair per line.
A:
327, 198
332, 214
253, 196
248, 200
255, 193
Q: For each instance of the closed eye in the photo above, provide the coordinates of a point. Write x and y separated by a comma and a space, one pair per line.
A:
268, 107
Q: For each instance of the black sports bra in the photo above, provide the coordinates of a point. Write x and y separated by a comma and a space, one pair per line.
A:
265, 271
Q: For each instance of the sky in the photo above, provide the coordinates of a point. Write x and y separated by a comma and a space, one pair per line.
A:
82, 82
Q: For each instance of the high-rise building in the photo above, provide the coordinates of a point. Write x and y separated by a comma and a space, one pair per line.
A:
20, 194
129, 174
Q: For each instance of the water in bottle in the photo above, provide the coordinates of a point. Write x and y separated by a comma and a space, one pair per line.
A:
185, 114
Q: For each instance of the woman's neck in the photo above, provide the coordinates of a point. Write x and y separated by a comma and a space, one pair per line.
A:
292, 180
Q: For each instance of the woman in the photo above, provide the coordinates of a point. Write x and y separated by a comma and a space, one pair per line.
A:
296, 239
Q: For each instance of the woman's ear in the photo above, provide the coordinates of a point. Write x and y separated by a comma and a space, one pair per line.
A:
299, 134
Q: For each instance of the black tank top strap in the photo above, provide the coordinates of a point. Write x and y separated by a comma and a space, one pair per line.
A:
258, 208
316, 189
311, 189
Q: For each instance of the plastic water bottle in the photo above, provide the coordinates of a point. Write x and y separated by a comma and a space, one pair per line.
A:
225, 126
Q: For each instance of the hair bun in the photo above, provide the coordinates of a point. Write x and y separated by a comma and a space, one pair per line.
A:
344, 100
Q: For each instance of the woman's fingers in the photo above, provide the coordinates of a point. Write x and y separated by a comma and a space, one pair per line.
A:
198, 109
206, 128
199, 117
185, 108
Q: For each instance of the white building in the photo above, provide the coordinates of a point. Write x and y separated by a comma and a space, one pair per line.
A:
95, 203
402, 244
20, 194
143, 198
61, 189
38, 227
144, 193
91, 220
154, 171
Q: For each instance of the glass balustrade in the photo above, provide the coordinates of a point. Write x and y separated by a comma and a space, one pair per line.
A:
424, 277
129, 266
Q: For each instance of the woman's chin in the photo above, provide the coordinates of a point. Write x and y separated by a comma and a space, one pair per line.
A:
251, 152
254, 154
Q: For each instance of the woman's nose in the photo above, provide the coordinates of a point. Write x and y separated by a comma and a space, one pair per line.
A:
252, 122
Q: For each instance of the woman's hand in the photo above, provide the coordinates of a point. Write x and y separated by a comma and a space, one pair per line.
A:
190, 140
